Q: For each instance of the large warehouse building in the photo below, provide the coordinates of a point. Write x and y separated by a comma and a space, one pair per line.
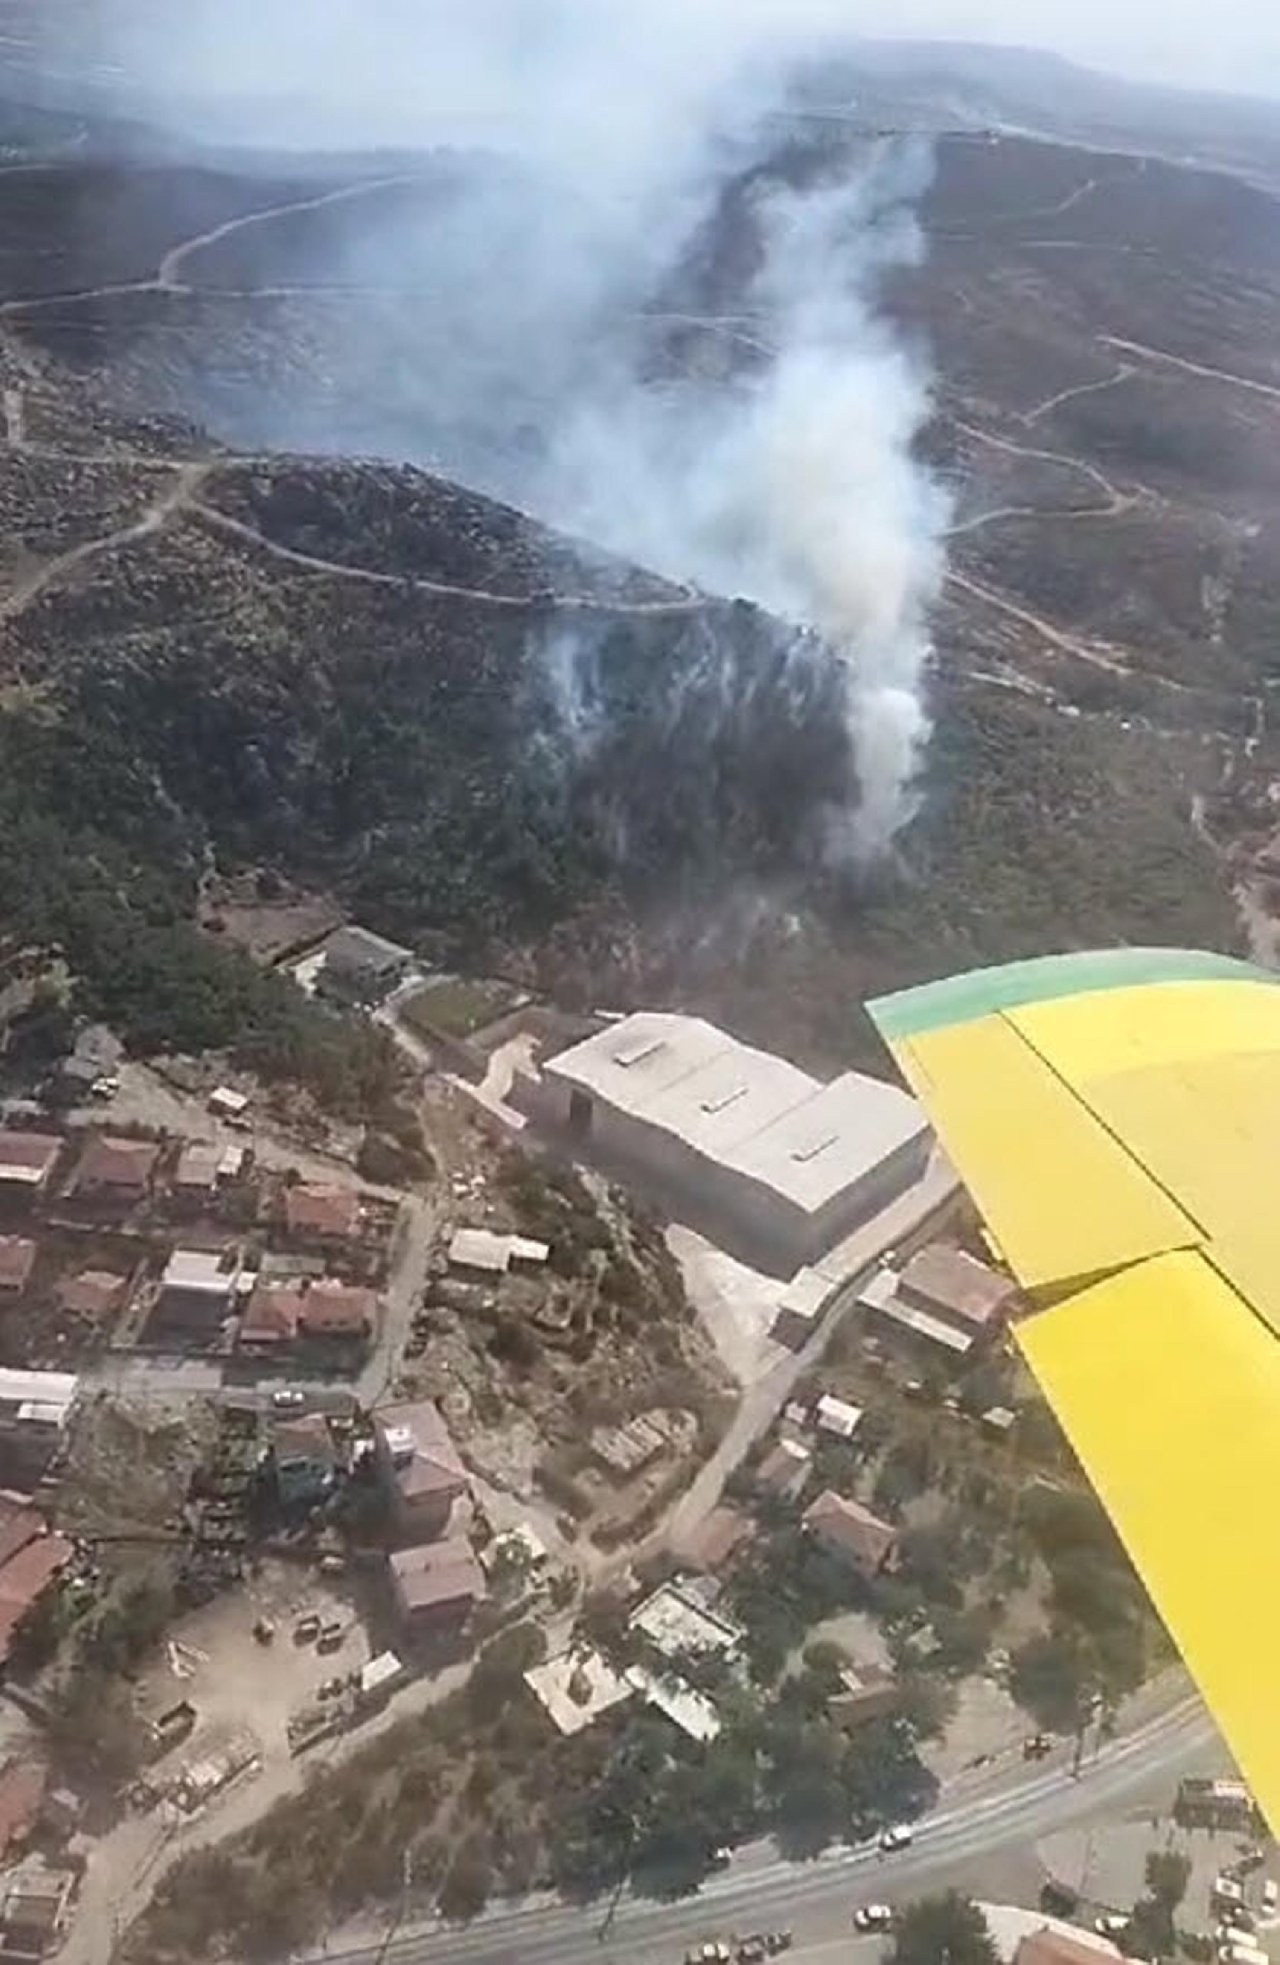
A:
745, 1146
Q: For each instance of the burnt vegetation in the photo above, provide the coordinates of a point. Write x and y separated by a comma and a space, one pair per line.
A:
251, 663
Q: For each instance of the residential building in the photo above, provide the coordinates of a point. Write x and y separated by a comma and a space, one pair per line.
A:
196, 1176
31, 1560
837, 1417
851, 1532
340, 1313
435, 1587
785, 1469
200, 1289
1050, 1940
682, 1704
321, 1216
91, 1296
115, 1173
944, 1298
34, 1408
758, 1155
575, 1687
482, 1252
421, 1468
361, 967
17, 1260
27, 1161
675, 1623
271, 1317
866, 1692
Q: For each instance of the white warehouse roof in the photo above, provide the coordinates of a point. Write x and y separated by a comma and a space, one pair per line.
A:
747, 1110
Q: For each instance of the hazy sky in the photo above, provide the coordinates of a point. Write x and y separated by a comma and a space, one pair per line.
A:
1233, 44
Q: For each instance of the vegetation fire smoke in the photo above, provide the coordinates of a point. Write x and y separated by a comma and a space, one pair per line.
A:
605, 142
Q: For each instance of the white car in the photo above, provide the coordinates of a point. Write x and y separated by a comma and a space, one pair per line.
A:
872, 1917
1111, 1924
899, 1836
288, 1400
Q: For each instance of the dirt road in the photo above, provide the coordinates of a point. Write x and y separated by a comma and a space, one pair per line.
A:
176, 497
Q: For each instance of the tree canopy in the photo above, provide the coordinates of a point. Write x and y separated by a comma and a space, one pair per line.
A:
943, 1930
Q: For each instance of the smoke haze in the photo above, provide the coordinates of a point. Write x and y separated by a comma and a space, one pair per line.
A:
602, 140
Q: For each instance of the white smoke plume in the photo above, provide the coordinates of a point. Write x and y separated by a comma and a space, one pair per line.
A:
792, 482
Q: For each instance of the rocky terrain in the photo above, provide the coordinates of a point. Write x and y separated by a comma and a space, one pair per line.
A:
469, 728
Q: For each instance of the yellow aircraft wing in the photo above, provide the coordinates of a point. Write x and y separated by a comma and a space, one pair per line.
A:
1116, 1117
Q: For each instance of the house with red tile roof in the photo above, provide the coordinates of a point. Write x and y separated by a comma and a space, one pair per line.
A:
321, 1215
421, 1468
851, 1531
115, 1172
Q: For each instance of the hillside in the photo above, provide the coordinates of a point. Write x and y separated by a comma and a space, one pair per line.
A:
478, 732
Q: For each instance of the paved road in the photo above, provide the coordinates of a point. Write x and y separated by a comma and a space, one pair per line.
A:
898, 1226
814, 1899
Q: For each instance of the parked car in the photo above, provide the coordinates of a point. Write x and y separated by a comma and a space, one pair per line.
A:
872, 1917
711, 1953
1270, 1895
752, 1950
1037, 1745
329, 1688
898, 1836
776, 1941
1239, 1916
331, 1635
1111, 1924
288, 1399
307, 1629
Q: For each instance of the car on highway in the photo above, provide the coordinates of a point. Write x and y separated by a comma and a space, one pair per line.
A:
899, 1835
872, 1917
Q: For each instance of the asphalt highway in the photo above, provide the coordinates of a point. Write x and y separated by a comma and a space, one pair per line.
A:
759, 1892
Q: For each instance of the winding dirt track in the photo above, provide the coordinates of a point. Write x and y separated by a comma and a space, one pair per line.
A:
444, 589
1050, 403
177, 495
1202, 369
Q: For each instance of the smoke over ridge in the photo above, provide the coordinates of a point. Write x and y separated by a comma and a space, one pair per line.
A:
603, 139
